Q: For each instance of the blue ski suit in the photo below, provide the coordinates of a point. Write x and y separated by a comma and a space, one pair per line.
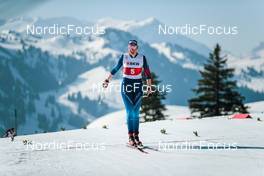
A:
131, 87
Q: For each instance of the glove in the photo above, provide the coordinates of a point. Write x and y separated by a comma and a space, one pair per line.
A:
105, 83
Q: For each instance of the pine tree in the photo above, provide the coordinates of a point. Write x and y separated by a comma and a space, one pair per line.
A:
217, 90
152, 107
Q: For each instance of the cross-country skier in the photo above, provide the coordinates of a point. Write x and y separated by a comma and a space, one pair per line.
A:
134, 65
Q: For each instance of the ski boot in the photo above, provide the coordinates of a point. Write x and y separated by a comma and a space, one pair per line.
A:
137, 141
131, 140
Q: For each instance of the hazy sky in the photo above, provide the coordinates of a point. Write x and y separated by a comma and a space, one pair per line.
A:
247, 15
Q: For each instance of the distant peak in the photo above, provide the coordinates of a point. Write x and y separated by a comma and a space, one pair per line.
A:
127, 24
150, 20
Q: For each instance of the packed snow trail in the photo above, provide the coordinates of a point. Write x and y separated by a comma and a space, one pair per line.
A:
110, 152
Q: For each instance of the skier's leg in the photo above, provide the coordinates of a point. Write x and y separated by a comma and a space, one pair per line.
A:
137, 104
129, 119
129, 112
127, 97
132, 101
135, 113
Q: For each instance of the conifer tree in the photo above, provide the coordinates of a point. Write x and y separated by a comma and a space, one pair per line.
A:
217, 90
152, 107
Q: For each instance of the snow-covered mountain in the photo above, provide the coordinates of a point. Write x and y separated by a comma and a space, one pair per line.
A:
51, 78
147, 30
180, 49
224, 146
259, 50
250, 69
182, 56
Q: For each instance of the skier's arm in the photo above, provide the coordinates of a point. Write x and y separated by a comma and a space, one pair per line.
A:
113, 71
147, 73
146, 69
118, 66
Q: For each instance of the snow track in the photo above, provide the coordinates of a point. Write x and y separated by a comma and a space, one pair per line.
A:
112, 157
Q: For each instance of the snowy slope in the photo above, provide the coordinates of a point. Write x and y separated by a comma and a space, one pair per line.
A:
249, 70
173, 112
181, 56
118, 118
257, 108
89, 84
91, 49
106, 148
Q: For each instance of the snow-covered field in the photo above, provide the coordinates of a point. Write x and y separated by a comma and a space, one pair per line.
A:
99, 151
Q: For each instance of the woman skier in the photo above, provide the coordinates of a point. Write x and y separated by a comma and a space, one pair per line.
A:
134, 65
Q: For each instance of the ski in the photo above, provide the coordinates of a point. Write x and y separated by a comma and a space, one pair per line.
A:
141, 149
151, 148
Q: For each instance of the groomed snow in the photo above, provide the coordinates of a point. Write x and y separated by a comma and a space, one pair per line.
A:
110, 156
118, 118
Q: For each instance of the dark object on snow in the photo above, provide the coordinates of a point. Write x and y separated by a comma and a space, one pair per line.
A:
10, 133
163, 131
258, 119
27, 142
241, 116
104, 127
195, 133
